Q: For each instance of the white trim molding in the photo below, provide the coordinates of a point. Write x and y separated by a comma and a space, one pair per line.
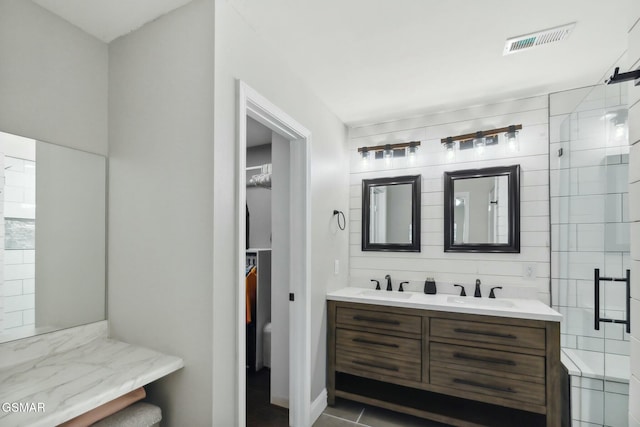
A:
254, 105
318, 405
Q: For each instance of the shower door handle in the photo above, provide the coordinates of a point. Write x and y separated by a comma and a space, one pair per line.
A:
596, 285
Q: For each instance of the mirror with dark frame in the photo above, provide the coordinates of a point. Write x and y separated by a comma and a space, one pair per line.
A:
482, 210
391, 214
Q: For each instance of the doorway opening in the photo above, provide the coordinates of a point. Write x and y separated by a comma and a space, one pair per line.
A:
283, 266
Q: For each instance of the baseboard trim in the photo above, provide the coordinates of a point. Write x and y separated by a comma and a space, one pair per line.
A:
318, 406
280, 401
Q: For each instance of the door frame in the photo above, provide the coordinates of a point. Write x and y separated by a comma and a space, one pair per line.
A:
254, 105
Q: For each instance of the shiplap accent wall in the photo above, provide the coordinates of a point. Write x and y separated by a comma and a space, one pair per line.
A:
633, 54
506, 270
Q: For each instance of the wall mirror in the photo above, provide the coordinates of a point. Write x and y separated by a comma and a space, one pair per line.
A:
482, 210
53, 202
391, 214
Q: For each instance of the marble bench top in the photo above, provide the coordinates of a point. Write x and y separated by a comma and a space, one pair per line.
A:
57, 387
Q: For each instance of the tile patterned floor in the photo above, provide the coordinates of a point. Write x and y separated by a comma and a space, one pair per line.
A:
346, 413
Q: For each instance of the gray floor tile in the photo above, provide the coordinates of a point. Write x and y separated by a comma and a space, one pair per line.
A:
378, 417
331, 421
346, 409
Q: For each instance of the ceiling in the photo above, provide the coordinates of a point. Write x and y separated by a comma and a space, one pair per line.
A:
257, 134
110, 19
377, 60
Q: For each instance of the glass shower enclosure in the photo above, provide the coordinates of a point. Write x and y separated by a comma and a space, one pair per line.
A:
590, 263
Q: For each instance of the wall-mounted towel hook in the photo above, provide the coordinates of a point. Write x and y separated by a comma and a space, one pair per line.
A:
344, 220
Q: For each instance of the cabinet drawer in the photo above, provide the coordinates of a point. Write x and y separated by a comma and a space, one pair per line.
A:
386, 345
365, 364
493, 361
489, 385
378, 320
514, 336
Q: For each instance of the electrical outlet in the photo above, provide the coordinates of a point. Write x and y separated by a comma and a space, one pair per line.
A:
529, 271
336, 267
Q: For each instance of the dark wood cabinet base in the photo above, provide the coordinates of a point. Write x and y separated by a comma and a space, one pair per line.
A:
459, 369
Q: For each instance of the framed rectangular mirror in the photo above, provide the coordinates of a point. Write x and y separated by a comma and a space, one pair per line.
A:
482, 210
391, 214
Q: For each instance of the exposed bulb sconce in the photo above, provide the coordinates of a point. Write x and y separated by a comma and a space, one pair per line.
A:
450, 146
511, 136
387, 153
390, 151
481, 139
365, 154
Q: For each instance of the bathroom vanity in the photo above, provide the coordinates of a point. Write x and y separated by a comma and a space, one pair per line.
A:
462, 361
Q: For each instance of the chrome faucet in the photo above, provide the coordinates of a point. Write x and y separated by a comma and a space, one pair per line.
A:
389, 288
477, 293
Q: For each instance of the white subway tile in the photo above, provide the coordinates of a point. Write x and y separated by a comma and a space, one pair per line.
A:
14, 194
13, 257
590, 237
560, 128
29, 317
28, 286
568, 341
591, 344
617, 237
616, 412
591, 406
29, 256
12, 287
566, 102
635, 240
634, 344
617, 347
634, 391
564, 237
634, 201
18, 303
634, 159
12, 319
19, 271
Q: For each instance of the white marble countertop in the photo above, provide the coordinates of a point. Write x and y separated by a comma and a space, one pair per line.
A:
71, 382
502, 307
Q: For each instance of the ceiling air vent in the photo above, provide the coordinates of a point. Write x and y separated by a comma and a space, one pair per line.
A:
540, 38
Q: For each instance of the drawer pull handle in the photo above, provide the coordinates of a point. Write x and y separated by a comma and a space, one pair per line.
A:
376, 365
375, 320
484, 359
487, 386
486, 333
364, 341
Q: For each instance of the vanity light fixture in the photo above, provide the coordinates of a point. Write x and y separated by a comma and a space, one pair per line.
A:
482, 139
365, 154
511, 136
390, 151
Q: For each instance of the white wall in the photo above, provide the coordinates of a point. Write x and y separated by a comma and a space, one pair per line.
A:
241, 54
259, 200
53, 79
280, 271
633, 54
431, 162
161, 205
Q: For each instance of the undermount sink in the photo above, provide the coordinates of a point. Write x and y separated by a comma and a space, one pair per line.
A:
386, 294
479, 302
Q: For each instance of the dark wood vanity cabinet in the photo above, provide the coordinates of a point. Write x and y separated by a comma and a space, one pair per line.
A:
459, 369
